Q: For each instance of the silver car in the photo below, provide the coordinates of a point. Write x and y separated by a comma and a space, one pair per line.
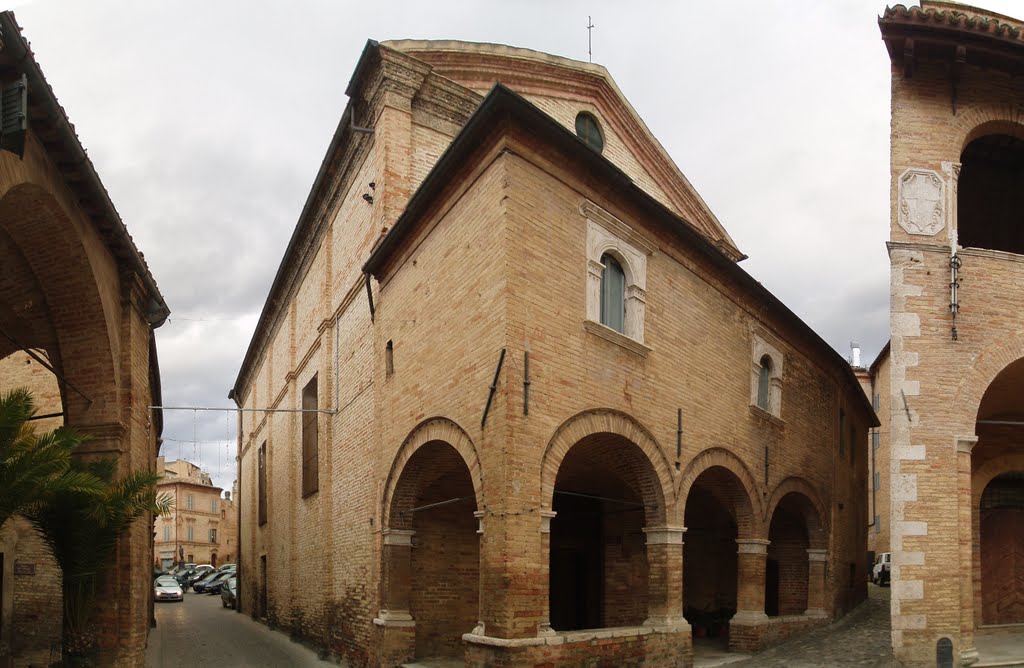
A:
166, 588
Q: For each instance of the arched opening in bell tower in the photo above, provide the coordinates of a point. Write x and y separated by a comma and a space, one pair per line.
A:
991, 176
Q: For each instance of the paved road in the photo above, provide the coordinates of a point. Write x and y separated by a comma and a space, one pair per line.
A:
862, 638
199, 632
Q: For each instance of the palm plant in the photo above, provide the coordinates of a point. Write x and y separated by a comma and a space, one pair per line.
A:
34, 466
82, 530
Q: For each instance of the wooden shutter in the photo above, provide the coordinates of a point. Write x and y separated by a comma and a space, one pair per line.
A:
14, 116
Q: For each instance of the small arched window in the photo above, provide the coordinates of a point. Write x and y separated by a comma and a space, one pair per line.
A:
589, 131
764, 378
613, 294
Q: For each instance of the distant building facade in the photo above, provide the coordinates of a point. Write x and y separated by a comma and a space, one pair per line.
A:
875, 380
202, 527
78, 304
957, 318
528, 366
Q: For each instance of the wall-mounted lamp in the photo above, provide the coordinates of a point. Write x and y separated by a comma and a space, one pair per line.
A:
954, 289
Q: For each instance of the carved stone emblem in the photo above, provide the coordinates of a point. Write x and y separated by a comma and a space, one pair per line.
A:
922, 202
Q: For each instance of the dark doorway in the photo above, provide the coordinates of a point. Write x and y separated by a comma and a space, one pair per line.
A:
771, 588
709, 555
262, 608
787, 549
606, 492
1002, 550
575, 593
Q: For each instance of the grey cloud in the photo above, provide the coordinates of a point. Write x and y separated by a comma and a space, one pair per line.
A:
208, 121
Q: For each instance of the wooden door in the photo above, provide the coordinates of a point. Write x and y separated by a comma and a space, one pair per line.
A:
1002, 566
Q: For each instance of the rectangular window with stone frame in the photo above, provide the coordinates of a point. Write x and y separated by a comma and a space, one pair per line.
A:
310, 439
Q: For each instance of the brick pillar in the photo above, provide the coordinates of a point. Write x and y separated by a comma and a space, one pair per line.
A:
398, 575
816, 564
544, 626
396, 641
665, 577
745, 628
513, 578
965, 513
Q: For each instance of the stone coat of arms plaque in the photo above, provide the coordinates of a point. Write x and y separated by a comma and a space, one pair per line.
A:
921, 202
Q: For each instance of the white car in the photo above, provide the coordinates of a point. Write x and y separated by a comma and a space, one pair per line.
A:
166, 588
881, 570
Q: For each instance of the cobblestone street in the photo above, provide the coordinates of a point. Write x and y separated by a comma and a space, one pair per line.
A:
200, 632
862, 638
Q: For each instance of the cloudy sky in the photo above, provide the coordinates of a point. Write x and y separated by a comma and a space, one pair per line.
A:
207, 122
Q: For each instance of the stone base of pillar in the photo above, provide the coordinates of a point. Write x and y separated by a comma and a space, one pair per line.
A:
747, 631
753, 631
394, 638
969, 656
669, 623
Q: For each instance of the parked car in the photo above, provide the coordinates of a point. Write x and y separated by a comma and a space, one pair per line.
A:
167, 588
200, 586
190, 577
229, 592
881, 570
214, 587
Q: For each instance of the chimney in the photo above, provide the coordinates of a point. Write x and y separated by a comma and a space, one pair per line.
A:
855, 354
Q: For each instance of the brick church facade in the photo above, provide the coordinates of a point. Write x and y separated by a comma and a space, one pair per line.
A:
957, 350
546, 417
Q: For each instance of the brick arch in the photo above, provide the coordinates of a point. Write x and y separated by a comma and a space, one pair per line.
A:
75, 279
812, 508
988, 119
996, 466
431, 430
750, 509
984, 369
607, 421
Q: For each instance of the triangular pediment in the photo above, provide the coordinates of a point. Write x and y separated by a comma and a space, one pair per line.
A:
563, 88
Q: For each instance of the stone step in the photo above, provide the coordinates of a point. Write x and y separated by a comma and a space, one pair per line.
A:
435, 663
